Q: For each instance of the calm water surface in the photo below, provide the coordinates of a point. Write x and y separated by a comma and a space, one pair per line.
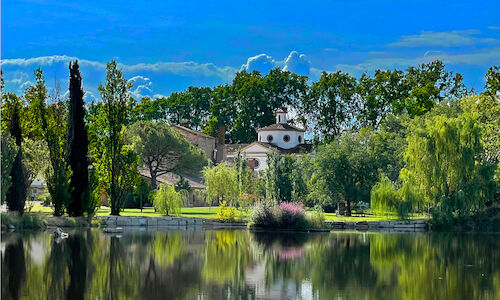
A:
250, 265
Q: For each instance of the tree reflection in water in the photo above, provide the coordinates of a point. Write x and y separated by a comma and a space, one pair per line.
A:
247, 265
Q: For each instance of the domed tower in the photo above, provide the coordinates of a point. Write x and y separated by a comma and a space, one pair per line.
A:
281, 134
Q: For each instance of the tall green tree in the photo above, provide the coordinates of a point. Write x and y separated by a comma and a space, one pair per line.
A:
78, 145
163, 149
16, 193
115, 163
347, 169
331, 105
51, 125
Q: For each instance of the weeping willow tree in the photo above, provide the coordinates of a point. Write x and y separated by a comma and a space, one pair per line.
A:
444, 160
387, 197
221, 182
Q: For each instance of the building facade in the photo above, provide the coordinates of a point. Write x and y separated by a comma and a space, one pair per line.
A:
281, 137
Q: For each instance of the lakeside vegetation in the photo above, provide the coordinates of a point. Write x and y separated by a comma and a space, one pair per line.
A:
401, 142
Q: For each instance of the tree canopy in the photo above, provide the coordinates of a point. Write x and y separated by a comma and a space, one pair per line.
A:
163, 149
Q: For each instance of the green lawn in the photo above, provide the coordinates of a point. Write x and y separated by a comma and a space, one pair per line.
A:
197, 212
211, 213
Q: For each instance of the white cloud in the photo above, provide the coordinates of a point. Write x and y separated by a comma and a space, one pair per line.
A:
297, 63
442, 39
262, 63
177, 68
494, 27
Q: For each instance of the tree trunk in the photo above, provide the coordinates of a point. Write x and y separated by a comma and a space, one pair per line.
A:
153, 180
348, 209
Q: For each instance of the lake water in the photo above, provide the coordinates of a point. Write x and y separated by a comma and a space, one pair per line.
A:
239, 264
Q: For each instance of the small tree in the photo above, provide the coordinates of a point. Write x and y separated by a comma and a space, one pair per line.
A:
221, 183
168, 201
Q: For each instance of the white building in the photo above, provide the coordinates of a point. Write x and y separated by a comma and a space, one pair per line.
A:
281, 137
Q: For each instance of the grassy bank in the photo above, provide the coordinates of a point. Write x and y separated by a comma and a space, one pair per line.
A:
211, 213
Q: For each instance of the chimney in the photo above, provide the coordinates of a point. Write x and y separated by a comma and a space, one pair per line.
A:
221, 140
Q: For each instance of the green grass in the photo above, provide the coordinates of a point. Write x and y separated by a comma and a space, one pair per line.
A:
211, 213
194, 212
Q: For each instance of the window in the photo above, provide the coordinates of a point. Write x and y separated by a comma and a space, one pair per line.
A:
286, 138
300, 139
269, 138
253, 163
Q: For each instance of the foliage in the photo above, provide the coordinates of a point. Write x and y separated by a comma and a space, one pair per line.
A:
347, 168
492, 85
286, 215
221, 184
182, 184
261, 215
51, 128
9, 152
247, 200
115, 163
226, 213
77, 145
386, 198
163, 149
16, 193
316, 217
331, 104
443, 159
283, 178
168, 201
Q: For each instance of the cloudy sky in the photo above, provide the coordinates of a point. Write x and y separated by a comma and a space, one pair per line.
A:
165, 46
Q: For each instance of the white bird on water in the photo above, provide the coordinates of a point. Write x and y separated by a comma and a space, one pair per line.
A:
60, 234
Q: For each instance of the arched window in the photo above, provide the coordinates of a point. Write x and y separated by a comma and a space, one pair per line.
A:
286, 138
300, 139
269, 138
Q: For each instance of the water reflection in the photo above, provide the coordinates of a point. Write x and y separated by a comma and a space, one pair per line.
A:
249, 265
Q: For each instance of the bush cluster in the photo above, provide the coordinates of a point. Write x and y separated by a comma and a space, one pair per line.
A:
286, 215
226, 213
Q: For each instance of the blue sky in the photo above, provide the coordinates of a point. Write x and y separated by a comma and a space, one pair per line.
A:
166, 46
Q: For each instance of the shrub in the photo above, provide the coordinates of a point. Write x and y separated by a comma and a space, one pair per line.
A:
167, 200
261, 215
226, 213
247, 200
290, 214
316, 218
286, 215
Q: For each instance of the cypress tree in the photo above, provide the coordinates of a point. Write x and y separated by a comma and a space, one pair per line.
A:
78, 144
16, 194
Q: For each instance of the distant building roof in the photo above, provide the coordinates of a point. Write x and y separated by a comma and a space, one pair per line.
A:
192, 131
171, 178
301, 148
233, 148
281, 127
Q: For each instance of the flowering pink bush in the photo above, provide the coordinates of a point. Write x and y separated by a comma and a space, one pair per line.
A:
292, 208
285, 215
